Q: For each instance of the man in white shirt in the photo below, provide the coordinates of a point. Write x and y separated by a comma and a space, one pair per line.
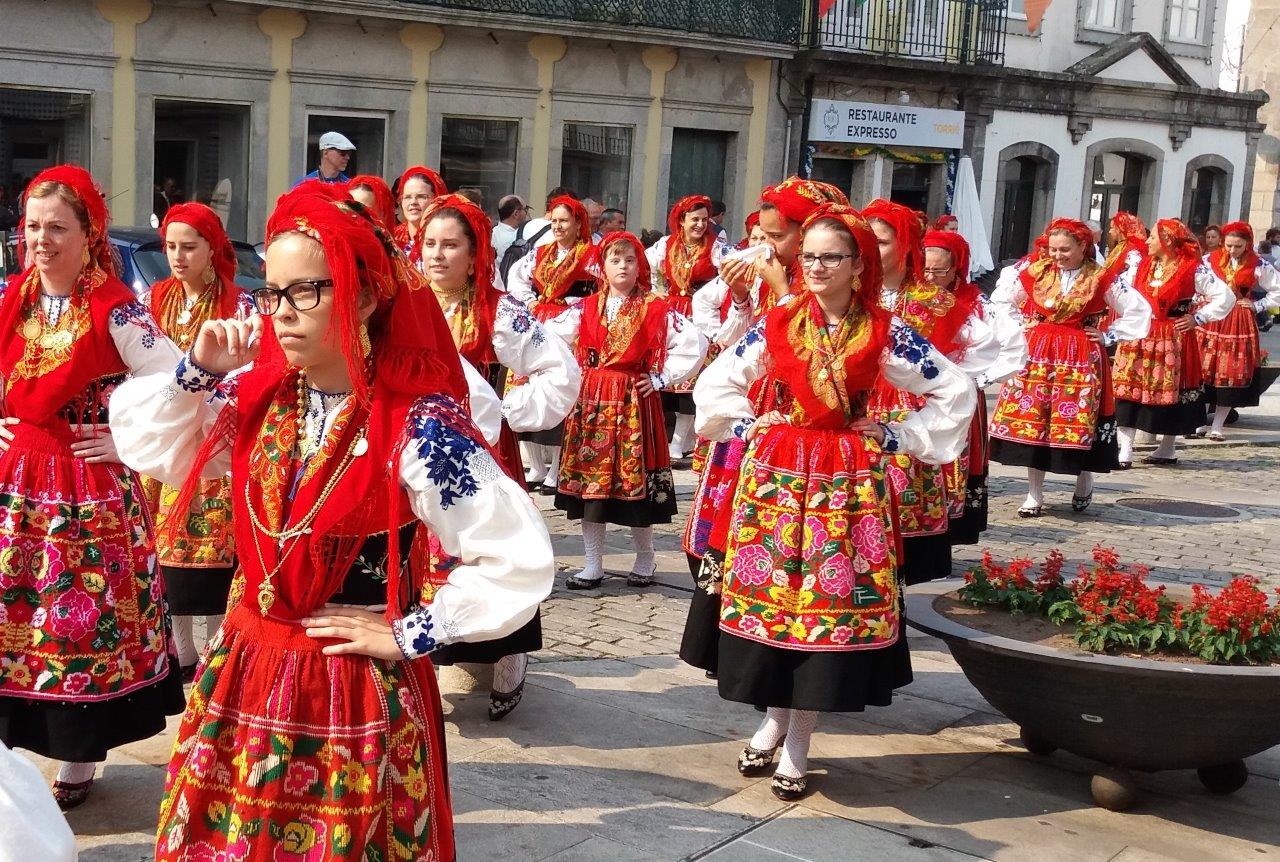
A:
595, 210
512, 213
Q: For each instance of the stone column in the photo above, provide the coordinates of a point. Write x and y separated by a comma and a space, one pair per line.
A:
659, 61
547, 50
421, 40
760, 73
122, 190
281, 26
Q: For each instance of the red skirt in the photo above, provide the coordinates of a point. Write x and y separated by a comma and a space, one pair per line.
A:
708, 524
614, 439
285, 753
1156, 370
1230, 349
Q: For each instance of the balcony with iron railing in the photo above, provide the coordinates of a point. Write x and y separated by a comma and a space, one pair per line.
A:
967, 32
772, 21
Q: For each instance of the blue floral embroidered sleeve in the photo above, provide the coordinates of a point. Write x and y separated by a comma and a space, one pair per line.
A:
450, 447
911, 346
752, 335
135, 313
414, 634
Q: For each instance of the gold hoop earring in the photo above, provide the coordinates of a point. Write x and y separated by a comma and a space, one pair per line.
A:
366, 346
84, 256
210, 276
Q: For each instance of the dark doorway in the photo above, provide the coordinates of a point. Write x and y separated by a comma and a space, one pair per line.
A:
912, 185
1206, 199
202, 154
1019, 207
1117, 185
837, 172
698, 160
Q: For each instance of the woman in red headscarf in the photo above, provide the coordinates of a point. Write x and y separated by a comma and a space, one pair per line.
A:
314, 727
811, 612
374, 193
416, 189
1058, 415
496, 334
946, 223
86, 660
199, 560
745, 292
1159, 381
550, 279
986, 359
1231, 349
615, 468
682, 262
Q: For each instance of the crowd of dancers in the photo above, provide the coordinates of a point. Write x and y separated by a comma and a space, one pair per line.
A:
334, 461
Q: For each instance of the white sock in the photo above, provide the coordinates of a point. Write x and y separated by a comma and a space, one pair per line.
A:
75, 773
553, 472
212, 623
1035, 487
682, 434
509, 671
795, 751
1168, 446
646, 561
1220, 414
1084, 484
535, 461
772, 729
593, 546
1125, 438
184, 640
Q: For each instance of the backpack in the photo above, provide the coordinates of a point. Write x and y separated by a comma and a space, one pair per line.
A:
518, 249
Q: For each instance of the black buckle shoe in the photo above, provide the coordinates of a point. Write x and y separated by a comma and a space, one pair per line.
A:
789, 789
501, 705
754, 761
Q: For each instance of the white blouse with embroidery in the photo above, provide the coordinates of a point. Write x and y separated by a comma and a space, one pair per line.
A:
520, 277
1133, 314
453, 484
1268, 278
657, 253
721, 327
937, 433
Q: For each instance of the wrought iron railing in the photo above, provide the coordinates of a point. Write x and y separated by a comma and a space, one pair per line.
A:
969, 32
776, 21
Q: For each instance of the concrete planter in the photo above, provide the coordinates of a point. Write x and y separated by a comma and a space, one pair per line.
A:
1129, 714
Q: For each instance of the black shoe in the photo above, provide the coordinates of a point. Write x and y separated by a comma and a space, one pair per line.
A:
501, 705
1031, 511
573, 582
1160, 462
189, 673
69, 795
789, 789
547, 490
753, 761
1079, 504
1124, 465
712, 675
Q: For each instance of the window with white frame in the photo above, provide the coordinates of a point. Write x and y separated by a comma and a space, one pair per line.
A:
1186, 20
1018, 8
1104, 14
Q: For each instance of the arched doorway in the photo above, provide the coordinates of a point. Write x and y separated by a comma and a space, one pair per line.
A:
1025, 182
1122, 175
1206, 189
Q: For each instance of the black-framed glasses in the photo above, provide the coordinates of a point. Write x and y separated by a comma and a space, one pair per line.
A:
826, 261
302, 295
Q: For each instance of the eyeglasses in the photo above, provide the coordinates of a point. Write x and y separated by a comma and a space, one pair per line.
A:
825, 261
938, 271
302, 295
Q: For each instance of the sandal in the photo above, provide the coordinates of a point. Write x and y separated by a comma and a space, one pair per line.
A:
501, 705
634, 580
754, 761
1160, 462
789, 789
70, 795
573, 582
1216, 437
1079, 504
1031, 511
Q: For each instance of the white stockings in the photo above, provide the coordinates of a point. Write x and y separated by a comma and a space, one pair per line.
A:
509, 671
593, 545
76, 773
184, 636
1035, 488
1168, 446
796, 726
1124, 436
646, 560
682, 436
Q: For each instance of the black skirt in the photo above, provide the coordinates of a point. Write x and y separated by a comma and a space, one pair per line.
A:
925, 558
1244, 396
762, 675
700, 643
676, 402
527, 638
658, 506
197, 592
1102, 457
972, 523
1181, 418
85, 732
550, 437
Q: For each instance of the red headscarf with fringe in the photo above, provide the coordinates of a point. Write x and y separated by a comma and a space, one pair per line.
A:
966, 292
38, 383
205, 222
1077, 230
412, 357
796, 198
1244, 277
830, 388
473, 333
944, 221
1182, 252
384, 204
636, 340
703, 270
1133, 237
905, 223
552, 280
413, 245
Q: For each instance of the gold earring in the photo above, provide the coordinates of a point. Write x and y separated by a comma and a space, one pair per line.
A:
210, 276
366, 346
84, 256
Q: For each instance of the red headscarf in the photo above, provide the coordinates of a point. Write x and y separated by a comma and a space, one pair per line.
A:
906, 227
702, 270
1243, 277
412, 357
86, 189
1078, 230
1133, 237
1182, 251
478, 337
792, 329
223, 256
422, 172
1130, 227
554, 278
945, 221
966, 292
644, 278
384, 205
413, 245
578, 211
796, 198
637, 336
753, 221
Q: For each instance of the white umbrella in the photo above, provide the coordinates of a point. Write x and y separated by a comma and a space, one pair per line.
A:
967, 209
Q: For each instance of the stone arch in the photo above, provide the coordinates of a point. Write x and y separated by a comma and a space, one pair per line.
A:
1010, 224
1148, 188
1217, 209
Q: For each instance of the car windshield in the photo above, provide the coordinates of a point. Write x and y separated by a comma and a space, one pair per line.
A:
153, 265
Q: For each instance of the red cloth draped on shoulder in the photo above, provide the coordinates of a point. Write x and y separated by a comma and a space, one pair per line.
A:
35, 396
476, 345
413, 356
793, 331
702, 270
1133, 237
1182, 252
223, 257
384, 204
966, 292
413, 245
906, 227
1244, 277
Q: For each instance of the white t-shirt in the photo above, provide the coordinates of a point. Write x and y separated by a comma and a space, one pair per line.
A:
503, 235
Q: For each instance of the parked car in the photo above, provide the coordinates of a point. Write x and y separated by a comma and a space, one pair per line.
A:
141, 261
